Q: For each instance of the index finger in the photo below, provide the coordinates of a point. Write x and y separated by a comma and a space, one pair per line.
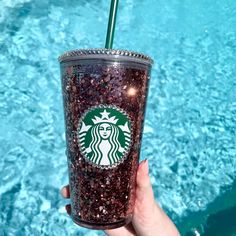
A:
65, 191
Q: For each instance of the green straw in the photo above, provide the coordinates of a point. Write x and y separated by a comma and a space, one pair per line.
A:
111, 24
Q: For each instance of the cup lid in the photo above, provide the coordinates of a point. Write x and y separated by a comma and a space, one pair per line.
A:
104, 53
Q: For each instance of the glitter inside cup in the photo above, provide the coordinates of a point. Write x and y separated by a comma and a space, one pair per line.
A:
104, 95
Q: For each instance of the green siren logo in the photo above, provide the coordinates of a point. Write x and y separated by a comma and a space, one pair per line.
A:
104, 135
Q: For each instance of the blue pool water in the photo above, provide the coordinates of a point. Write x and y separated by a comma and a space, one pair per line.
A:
189, 135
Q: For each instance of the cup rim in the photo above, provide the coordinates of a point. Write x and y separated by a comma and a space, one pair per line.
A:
103, 53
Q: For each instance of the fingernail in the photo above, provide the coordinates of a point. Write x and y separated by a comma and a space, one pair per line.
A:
63, 191
146, 166
68, 209
143, 167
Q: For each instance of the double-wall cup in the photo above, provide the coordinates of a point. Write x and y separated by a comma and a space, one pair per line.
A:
104, 96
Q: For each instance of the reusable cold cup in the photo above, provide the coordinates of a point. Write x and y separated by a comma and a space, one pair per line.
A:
104, 94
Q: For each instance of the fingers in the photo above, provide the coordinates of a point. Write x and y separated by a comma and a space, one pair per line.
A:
65, 191
68, 208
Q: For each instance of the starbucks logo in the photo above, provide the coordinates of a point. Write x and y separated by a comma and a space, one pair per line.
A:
104, 135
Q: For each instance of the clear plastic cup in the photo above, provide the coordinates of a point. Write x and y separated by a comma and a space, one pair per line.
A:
104, 95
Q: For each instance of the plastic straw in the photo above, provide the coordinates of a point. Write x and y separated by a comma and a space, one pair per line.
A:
111, 24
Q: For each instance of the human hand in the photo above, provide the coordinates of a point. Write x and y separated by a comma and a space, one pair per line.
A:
148, 218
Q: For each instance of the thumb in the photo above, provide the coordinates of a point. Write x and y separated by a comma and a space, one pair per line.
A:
145, 206
149, 218
144, 192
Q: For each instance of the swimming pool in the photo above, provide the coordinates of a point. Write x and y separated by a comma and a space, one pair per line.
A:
189, 135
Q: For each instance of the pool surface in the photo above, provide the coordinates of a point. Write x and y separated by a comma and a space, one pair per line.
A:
189, 135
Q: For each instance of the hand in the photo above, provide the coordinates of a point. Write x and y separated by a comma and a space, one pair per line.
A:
148, 218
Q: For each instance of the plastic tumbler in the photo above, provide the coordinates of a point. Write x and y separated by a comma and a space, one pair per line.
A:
104, 96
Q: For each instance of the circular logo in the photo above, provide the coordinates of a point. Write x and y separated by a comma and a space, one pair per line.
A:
104, 135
